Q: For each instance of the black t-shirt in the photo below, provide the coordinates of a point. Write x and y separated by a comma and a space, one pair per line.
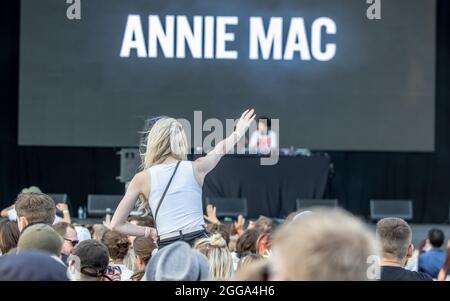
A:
389, 273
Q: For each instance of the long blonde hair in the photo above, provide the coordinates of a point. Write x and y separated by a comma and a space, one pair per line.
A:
165, 138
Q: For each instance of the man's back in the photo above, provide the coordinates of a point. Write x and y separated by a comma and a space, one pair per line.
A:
431, 262
392, 273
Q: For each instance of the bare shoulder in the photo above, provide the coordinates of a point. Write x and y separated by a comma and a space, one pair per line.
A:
141, 177
141, 181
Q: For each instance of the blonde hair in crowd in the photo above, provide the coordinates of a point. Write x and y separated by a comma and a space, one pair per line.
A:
327, 245
165, 138
219, 257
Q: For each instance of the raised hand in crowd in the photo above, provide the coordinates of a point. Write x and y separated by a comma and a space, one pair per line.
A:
211, 215
239, 224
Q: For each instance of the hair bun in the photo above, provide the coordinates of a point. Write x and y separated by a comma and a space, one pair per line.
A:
217, 240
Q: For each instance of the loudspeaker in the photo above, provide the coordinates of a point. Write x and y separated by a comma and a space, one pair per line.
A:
99, 204
59, 197
229, 207
308, 203
130, 161
380, 209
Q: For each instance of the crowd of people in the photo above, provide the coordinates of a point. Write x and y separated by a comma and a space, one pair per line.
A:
318, 245
173, 240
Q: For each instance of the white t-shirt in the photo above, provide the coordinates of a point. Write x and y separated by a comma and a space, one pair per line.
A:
263, 143
182, 207
12, 216
126, 273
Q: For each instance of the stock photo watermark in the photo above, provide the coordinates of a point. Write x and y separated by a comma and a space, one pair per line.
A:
374, 10
203, 135
374, 267
73, 10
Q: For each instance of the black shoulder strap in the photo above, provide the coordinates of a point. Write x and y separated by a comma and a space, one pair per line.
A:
165, 190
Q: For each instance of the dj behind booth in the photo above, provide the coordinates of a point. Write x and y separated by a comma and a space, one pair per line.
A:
243, 183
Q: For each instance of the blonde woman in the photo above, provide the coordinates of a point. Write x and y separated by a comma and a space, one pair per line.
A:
219, 257
172, 186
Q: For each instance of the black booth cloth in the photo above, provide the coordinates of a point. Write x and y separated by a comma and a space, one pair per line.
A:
270, 190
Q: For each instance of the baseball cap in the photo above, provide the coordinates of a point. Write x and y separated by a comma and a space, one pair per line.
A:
40, 237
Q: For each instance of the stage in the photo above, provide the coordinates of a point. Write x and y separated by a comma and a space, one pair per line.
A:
269, 190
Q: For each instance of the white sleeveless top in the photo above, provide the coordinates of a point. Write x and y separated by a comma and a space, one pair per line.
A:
182, 207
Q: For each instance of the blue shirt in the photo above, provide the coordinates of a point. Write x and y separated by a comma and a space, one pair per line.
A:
431, 262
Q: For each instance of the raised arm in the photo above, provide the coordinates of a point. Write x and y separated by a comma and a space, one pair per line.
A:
65, 210
204, 165
139, 187
4, 212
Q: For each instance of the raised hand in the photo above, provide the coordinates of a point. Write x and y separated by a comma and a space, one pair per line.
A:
62, 207
107, 221
211, 214
244, 122
239, 224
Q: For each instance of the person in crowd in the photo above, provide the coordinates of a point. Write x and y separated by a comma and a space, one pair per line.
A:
171, 186
118, 245
220, 261
70, 237
34, 208
264, 244
232, 246
130, 259
329, 245
444, 272
41, 237
431, 262
32, 266
89, 261
98, 231
257, 270
143, 250
263, 140
263, 224
219, 229
248, 260
246, 243
235, 230
211, 216
412, 263
238, 227
177, 262
395, 237
230, 232
64, 208
83, 233
11, 212
9, 236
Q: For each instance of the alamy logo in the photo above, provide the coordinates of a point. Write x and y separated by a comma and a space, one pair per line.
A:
374, 267
374, 10
74, 10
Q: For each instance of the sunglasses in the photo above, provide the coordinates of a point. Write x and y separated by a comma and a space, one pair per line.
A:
73, 242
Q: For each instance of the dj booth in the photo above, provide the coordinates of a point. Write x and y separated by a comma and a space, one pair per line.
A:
270, 190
